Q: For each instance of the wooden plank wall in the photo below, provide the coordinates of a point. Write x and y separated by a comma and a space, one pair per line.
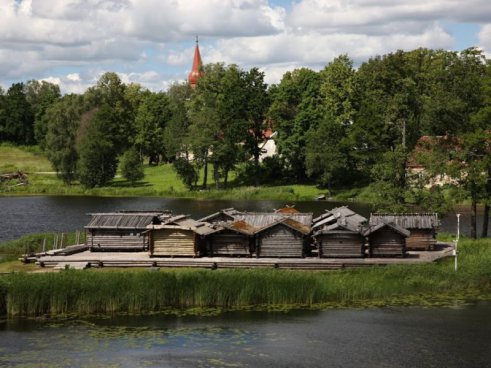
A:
387, 243
173, 242
280, 242
421, 239
116, 240
227, 244
340, 245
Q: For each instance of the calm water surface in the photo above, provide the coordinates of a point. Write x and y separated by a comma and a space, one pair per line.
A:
400, 337
27, 215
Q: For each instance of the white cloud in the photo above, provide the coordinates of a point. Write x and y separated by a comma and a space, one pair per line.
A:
141, 38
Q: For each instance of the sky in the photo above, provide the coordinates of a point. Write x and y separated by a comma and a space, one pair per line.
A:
151, 42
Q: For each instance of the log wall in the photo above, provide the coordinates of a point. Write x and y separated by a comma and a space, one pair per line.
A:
339, 245
104, 240
421, 239
280, 242
229, 244
387, 243
173, 242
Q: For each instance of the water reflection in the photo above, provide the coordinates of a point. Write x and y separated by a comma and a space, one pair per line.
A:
25, 215
396, 337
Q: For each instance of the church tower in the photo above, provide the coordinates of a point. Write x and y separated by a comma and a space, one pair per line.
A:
197, 71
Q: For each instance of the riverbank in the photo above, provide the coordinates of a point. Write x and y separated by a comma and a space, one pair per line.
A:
145, 291
159, 181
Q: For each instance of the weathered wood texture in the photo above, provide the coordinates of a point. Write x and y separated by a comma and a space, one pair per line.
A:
113, 240
340, 244
173, 242
421, 239
229, 244
280, 241
387, 243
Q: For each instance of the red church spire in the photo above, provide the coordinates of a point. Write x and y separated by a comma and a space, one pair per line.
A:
196, 72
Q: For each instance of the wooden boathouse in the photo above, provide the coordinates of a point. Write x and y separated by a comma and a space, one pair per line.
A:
284, 238
387, 240
423, 227
178, 236
225, 215
120, 231
338, 233
231, 239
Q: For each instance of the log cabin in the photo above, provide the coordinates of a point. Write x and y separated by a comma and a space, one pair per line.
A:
339, 234
179, 236
231, 239
120, 231
284, 238
387, 240
423, 227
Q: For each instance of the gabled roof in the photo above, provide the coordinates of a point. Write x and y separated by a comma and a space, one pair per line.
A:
391, 225
227, 213
185, 223
262, 219
290, 223
237, 226
340, 218
407, 220
123, 220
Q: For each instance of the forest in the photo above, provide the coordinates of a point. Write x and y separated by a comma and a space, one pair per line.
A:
344, 126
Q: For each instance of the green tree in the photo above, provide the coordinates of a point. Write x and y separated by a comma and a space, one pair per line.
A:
296, 106
62, 121
112, 92
41, 95
17, 125
132, 166
98, 153
256, 100
324, 156
151, 118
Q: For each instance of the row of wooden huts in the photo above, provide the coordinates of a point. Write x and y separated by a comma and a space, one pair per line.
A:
339, 232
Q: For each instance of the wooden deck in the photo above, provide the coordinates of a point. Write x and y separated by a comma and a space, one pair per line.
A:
143, 259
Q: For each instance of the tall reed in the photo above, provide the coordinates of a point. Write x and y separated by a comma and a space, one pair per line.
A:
102, 292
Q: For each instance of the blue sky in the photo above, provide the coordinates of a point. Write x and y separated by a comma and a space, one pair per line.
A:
72, 42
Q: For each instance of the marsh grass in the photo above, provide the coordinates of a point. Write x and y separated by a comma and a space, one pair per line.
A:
143, 291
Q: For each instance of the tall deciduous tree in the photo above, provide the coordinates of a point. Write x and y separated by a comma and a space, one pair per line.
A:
296, 106
17, 124
152, 116
98, 151
62, 122
256, 101
41, 95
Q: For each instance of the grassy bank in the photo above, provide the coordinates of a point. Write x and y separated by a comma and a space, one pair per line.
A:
143, 291
159, 181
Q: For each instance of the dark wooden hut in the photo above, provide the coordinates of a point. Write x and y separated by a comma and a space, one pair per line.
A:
339, 233
178, 236
284, 238
231, 239
120, 231
387, 240
423, 227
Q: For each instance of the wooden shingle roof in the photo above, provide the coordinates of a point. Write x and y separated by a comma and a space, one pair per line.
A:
123, 220
407, 220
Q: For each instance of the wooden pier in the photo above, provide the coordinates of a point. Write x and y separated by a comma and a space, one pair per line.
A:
143, 259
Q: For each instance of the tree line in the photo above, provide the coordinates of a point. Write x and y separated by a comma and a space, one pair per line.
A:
338, 127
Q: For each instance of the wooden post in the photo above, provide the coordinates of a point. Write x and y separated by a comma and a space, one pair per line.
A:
55, 241
77, 237
44, 244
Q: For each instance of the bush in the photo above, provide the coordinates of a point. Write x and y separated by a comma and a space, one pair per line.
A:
131, 166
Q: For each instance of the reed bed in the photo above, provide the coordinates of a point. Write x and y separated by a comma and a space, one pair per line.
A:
136, 292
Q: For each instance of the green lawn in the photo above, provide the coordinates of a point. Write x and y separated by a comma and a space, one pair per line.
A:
158, 181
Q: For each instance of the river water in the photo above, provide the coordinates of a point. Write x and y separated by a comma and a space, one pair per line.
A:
390, 337
27, 215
